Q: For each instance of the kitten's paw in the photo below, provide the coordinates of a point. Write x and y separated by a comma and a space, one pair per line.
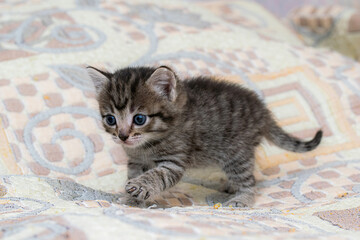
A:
234, 203
241, 200
138, 190
134, 202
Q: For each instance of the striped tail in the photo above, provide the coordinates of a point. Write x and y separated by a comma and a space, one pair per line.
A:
283, 140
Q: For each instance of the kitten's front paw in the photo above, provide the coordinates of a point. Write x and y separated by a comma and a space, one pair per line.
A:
138, 190
134, 202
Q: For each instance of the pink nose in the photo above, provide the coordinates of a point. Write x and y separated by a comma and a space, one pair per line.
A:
123, 137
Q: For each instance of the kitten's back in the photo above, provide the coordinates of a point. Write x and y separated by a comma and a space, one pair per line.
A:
229, 112
226, 111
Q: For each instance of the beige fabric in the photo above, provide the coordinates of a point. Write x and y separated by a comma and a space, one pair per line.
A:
61, 174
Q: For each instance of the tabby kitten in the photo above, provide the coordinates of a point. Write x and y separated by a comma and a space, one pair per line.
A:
167, 126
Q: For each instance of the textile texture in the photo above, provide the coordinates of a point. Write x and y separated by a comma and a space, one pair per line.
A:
61, 174
335, 27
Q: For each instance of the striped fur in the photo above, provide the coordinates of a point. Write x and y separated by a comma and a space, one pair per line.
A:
191, 123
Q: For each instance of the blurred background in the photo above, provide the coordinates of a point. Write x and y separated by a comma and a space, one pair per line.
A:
322, 23
282, 8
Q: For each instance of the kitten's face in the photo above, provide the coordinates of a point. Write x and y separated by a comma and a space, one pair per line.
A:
136, 104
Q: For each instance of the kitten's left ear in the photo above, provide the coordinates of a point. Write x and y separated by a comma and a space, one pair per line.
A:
163, 81
99, 78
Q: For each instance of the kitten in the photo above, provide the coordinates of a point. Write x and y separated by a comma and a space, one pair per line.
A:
167, 126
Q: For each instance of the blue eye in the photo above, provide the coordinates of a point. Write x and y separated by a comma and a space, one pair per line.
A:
110, 120
139, 119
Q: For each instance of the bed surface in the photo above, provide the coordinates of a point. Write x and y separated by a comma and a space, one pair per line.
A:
61, 174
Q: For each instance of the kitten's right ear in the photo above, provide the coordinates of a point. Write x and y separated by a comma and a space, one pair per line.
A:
163, 82
99, 78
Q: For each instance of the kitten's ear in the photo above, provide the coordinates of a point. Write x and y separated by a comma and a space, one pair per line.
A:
163, 81
99, 78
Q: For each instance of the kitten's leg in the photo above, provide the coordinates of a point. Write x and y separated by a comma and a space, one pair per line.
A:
241, 179
135, 169
156, 180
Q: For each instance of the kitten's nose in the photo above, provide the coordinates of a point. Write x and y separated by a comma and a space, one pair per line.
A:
123, 137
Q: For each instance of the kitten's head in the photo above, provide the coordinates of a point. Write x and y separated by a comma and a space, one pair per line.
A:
137, 105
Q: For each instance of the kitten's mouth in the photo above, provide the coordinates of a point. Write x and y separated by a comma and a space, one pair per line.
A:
132, 142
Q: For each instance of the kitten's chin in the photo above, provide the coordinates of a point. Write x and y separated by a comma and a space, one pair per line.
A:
132, 144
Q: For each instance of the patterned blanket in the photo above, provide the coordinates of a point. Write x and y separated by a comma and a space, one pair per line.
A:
61, 175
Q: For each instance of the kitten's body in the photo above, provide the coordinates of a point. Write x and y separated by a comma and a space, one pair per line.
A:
192, 123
